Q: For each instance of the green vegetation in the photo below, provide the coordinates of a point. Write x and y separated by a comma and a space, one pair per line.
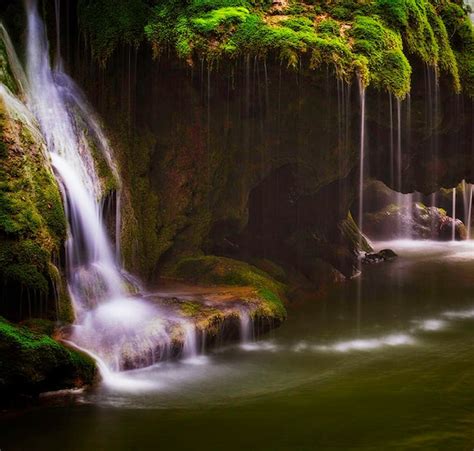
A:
6, 77
110, 23
373, 39
33, 362
212, 270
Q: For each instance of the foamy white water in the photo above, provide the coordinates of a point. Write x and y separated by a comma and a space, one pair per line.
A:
431, 325
367, 344
462, 314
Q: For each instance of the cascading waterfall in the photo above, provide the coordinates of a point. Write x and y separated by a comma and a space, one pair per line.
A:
361, 156
404, 201
467, 204
469, 213
453, 232
246, 327
120, 330
123, 331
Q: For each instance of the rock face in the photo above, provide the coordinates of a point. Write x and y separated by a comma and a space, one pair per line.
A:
414, 221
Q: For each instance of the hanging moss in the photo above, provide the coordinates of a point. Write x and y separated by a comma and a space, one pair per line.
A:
109, 23
460, 30
389, 31
388, 66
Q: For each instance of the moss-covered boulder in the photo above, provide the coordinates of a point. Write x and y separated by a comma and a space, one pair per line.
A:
32, 362
221, 271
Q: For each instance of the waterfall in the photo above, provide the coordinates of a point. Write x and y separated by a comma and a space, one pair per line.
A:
404, 201
453, 236
246, 327
469, 213
121, 330
467, 203
88, 245
361, 156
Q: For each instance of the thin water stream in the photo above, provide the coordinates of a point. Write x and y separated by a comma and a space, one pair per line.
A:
399, 376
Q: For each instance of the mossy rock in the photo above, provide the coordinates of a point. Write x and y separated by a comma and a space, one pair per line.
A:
31, 363
212, 270
32, 219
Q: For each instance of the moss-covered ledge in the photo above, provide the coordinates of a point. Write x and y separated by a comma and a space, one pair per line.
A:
32, 362
373, 39
266, 294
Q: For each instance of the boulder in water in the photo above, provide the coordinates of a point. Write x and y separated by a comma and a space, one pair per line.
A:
381, 256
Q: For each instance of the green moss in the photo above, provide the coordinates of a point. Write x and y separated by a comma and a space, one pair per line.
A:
110, 23
106, 176
214, 30
460, 31
387, 64
144, 240
190, 308
33, 362
6, 76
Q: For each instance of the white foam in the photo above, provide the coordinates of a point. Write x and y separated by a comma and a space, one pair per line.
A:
367, 344
268, 346
300, 346
196, 360
431, 325
461, 314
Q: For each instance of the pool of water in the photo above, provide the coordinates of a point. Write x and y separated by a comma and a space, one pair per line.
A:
384, 361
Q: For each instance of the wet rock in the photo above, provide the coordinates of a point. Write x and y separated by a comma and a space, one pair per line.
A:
415, 221
378, 257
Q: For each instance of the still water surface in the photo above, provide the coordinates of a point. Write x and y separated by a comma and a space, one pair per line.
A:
385, 361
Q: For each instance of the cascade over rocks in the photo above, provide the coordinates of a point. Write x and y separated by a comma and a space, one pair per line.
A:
416, 221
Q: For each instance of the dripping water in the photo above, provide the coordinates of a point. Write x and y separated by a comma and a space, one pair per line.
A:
361, 158
453, 231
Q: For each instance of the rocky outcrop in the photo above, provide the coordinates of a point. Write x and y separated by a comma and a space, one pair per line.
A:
415, 221
32, 362
377, 257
